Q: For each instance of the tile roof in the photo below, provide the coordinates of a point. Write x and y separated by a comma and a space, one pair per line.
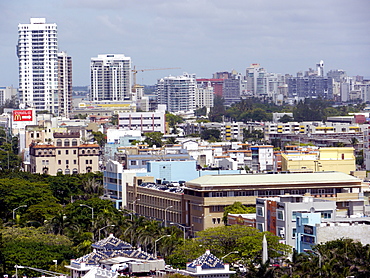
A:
111, 243
207, 261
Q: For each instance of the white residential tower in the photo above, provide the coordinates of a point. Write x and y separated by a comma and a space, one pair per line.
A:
38, 74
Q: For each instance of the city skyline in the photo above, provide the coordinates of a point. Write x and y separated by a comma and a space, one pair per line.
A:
202, 37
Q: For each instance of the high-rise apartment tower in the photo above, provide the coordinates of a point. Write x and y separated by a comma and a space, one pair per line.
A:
110, 77
64, 84
178, 93
38, 65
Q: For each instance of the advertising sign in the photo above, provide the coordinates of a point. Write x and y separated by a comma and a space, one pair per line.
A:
22, 115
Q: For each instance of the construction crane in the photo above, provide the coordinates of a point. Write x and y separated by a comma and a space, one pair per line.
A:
135, 71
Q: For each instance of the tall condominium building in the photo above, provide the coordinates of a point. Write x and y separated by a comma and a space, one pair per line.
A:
178, 93
255, 80
310, 87
64, 84
38, 65
110, 77
204, 95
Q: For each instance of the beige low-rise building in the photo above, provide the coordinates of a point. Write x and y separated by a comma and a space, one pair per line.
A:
68, 155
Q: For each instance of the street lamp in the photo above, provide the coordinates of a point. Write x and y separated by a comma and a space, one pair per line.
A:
232, 252
24, 206
155, 244
92, 217
134, 206
92, 212
165, 215
104, 228
16, 270
182, 226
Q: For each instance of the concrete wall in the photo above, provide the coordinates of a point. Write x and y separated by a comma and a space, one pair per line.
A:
359, 233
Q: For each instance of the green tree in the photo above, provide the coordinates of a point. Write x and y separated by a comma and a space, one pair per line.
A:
218, 110
33, 247
223, 240
99, 137
201, 111
286, 118
154, 138
210, 134
173, 120
237, 208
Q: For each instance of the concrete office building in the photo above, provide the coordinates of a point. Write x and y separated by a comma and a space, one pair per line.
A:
110, 77
202, 203
64, 84
38, 65
278, 215
144, 121
177, 93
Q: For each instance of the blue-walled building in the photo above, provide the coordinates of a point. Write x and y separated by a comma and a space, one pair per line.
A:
306, 230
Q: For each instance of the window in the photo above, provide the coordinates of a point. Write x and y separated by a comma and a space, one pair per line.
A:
86, 162
67, 152
133, 162
326, 214
90, 161
74, 142
294, 232
74, 171
59, 152
59, 162
75, 161
60, 170
66, 143
59, 143
67, 171
281, 232
260, 227
259, 211
280, 214
67, 162
74, 151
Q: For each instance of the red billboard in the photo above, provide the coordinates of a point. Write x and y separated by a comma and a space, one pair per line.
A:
22, 115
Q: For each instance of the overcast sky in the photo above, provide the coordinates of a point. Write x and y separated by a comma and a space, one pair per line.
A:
199, 36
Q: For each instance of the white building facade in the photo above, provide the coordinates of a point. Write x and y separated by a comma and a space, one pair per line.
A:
110, 77
204, 96
38, 65
178, 93
144, 121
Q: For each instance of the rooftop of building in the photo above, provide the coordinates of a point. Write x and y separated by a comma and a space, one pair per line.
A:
273, 179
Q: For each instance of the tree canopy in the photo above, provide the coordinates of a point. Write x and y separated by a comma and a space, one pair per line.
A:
237, 208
